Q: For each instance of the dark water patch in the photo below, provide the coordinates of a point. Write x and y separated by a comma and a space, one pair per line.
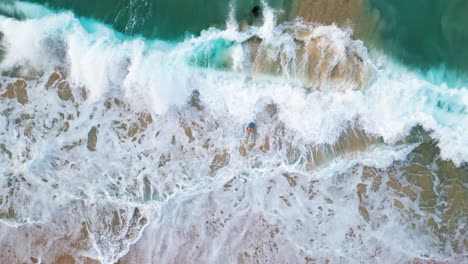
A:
2, 48
5, 151
163, 19
425, 34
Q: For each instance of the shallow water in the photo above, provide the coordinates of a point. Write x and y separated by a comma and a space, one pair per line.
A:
127, 145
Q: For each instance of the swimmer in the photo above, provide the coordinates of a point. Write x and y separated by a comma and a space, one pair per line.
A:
250, 130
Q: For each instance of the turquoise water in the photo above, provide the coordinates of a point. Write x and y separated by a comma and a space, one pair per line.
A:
122, 127
172, 20
427, 35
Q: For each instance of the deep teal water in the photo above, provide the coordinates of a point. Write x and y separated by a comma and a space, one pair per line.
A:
170, 20
429, 35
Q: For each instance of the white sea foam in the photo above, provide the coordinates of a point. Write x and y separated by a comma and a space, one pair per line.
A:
178, 183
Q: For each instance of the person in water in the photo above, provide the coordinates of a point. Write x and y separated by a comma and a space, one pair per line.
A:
250, 130
256, 11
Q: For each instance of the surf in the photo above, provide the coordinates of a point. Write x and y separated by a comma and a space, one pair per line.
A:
109, 139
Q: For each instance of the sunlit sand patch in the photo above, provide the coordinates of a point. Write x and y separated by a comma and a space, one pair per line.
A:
70, 239
314, 57
27, 115
348, 13
277, 139
437, 193
92, 139
318, 62
133, 128
18, 91
440, 193
58, 80
309, 54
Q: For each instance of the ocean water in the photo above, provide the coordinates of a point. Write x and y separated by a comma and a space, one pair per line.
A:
123, 123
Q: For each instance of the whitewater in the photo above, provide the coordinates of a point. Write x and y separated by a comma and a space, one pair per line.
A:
117, 148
